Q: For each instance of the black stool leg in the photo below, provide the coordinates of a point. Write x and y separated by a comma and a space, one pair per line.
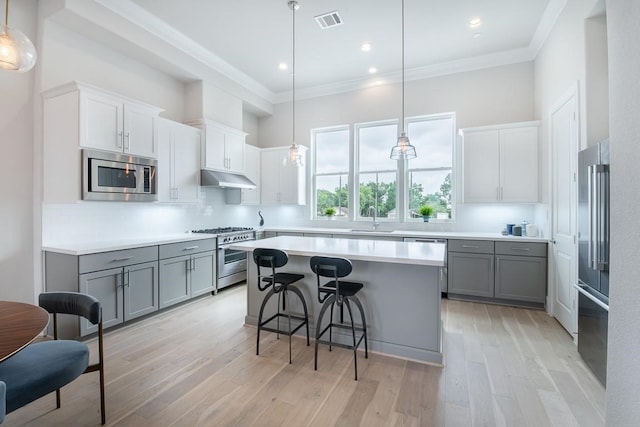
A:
264, 303
328, 302
284, 294
297, 291
356, 301
333, 304
353, 334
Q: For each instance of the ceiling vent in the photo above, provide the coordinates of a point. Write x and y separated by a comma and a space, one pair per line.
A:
329, 20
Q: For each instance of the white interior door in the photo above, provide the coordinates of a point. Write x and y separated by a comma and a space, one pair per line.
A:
564, 143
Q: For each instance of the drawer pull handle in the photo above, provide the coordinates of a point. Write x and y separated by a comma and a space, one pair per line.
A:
122, 259
190, 248
520, 249
470, 246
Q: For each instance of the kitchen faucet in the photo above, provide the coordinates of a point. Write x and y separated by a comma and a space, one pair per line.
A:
372, 209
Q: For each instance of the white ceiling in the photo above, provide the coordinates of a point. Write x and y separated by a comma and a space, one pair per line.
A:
250, 37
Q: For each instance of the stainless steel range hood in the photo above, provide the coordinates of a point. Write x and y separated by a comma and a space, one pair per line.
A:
212, 178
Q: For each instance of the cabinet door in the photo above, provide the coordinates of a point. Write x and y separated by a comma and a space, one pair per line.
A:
521, 278
106, 286
252, 171
174, 280
234, 152
470, 274
481, 160
291, 184
164, 139
186, 163
138, 130
203, 273
270, 165
101, 122
140, 290
214, 155
519, 164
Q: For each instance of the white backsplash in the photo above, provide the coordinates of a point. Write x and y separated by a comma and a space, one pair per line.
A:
115, 220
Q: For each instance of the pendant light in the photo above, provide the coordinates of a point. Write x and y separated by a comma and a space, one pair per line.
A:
403, 150
17, 53
294, 158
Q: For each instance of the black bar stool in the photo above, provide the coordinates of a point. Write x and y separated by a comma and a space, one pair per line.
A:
342, 293
281, 285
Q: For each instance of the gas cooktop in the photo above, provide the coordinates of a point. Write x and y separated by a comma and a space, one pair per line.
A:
222, 230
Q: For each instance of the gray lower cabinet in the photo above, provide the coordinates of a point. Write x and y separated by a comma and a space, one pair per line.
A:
187, 269
125, 282
470, 274
521, 271
502, 271
125, 293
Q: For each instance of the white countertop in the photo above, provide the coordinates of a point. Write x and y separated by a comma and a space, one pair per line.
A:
105, 245
355, 249
364, 231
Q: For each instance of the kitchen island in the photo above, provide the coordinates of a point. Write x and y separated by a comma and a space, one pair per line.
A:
401, 294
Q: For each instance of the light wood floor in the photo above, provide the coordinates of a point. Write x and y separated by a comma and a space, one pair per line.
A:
196, 366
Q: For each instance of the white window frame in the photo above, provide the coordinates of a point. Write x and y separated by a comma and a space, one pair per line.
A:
407, 170
357, 171
314, 191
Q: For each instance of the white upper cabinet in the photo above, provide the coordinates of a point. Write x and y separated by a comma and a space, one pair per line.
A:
178, 162
222, 146
500, 163
114, 123
77, 115
281, 183
252, 171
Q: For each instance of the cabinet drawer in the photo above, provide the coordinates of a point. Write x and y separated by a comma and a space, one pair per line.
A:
115, 259
471, 246
186, 248
521, 248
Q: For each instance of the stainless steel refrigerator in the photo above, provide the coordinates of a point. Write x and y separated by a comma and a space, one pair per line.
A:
593, 257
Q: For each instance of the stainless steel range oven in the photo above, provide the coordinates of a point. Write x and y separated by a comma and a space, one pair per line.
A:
232, 264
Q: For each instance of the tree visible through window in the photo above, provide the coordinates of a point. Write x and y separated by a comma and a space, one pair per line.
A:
331, 177
428, 178
429, 175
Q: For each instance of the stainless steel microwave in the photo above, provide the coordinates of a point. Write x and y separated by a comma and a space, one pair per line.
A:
118, 177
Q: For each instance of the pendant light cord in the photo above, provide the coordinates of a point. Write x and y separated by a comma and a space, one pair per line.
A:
403, 130
6, 13
293, 70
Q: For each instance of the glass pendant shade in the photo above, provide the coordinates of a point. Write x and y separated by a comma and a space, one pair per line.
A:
17, 53
294, 158
403, 149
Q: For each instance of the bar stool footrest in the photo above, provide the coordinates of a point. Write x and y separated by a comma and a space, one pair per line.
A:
338, 344
300, 319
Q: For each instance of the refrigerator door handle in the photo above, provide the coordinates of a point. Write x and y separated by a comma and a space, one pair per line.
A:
602, 189
580, 288
590, 206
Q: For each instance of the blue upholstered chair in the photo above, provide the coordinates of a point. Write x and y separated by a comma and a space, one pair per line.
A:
43, 367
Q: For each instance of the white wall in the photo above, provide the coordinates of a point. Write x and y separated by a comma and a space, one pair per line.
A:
483, 97
623, 369
16, 182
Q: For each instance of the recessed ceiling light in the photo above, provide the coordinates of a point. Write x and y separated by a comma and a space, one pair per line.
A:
366, 47
373, 70
282, 66
475, 23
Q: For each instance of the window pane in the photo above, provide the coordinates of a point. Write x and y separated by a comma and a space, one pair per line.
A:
433, 140
332, 151
332, 191
431, 188
378, 195
374, 147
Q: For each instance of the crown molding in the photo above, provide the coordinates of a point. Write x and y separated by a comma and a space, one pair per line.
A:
547, 23
160, 29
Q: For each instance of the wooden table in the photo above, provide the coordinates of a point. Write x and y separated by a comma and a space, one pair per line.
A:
20, 324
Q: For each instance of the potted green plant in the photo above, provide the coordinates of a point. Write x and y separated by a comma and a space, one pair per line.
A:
330, 212
426, 211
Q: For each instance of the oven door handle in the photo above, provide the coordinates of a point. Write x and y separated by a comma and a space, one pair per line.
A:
580, 288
